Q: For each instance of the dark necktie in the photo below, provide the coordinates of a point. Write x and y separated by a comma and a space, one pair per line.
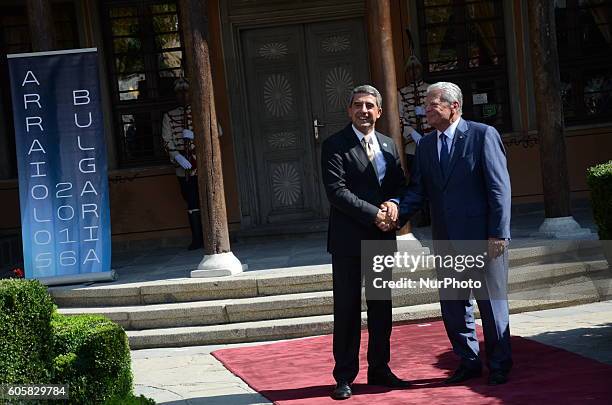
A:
444, 156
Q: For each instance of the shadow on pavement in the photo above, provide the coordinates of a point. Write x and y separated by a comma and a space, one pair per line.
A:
594, 342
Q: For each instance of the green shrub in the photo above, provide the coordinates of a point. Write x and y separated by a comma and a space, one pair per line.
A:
25, 332
38, 345
130, 400
599, 179
93, 356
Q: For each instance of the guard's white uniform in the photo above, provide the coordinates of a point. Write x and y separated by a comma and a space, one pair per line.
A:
172, 132
408, 101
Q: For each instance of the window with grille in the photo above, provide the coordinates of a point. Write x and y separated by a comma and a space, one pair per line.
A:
584, 36
463, 41
144, 52
15, 38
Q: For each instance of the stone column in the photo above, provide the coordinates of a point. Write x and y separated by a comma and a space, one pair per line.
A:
559, 222
383, 64
218, 259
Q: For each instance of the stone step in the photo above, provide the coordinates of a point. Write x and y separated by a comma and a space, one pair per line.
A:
248, 284
214, 312
549, 251
269, 282
296, 305
574, 294
542, 276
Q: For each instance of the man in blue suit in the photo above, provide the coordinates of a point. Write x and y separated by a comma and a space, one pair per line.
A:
460, 168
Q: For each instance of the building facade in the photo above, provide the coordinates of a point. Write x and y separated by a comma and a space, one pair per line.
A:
282, 71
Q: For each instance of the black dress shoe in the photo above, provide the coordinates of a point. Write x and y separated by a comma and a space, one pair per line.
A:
462, 374
389, 380
342, 391
498, 377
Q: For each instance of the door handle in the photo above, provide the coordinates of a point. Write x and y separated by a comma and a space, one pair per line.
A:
315, 126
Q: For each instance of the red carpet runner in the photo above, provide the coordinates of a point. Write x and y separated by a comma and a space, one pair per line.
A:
299, 372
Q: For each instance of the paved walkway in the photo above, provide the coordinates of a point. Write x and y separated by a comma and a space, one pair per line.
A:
193, 376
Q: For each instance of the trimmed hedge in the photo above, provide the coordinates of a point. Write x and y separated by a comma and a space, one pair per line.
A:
25, 332
599, 179
93, 355
90, 353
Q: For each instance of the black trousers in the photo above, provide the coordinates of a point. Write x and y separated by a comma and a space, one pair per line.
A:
347, 278
189, 191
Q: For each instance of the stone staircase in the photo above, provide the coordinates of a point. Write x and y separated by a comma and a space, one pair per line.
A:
295, 302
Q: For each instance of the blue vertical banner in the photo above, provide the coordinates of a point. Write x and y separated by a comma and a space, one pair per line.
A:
61, 156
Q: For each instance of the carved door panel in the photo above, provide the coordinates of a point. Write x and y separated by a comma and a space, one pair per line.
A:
295, 74
277, 87
337, 62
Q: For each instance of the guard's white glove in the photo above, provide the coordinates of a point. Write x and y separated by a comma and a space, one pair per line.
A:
184, 163
187, 134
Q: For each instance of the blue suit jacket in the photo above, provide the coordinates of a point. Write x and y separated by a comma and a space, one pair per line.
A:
473, 201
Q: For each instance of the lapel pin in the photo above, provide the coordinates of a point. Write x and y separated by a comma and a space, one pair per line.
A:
384, 144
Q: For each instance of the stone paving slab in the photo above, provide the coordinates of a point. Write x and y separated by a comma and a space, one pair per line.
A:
584, 329
189, 376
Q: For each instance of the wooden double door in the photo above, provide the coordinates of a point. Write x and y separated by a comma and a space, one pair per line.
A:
298, 80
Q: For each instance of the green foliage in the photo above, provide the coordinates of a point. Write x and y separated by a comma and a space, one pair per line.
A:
130, 400
38, 346
93, 356
599, 179
25, 332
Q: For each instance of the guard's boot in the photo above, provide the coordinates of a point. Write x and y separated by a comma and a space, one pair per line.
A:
195, 223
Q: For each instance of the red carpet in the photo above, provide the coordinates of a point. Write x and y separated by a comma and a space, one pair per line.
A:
299, 372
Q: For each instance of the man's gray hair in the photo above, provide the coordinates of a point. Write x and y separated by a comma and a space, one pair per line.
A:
449, 92
367, 89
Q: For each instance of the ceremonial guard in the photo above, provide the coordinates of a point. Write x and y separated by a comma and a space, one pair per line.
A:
177, 132
413, 122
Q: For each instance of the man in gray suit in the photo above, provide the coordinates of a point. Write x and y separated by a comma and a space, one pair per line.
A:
460, 168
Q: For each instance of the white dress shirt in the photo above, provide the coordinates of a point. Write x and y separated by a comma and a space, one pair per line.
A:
381, 164
450, 133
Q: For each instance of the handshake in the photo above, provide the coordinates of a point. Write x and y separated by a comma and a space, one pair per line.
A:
387, 216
